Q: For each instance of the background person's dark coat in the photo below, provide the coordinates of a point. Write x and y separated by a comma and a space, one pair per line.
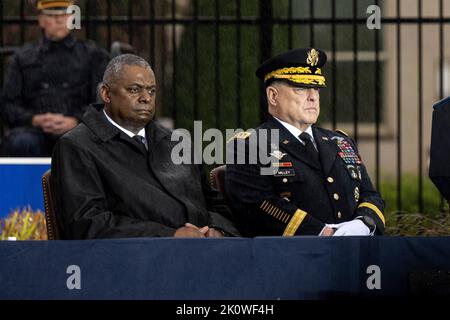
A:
106, 185
56, 77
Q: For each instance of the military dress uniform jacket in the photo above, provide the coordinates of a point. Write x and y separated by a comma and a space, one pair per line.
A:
304, 193
56, 77
107, 185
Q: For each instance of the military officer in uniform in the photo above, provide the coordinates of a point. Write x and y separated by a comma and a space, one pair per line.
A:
319, 184
49, 84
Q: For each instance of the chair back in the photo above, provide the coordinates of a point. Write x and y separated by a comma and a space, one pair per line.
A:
50, 214
217, 179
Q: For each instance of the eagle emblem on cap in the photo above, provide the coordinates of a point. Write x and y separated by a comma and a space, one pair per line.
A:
313, 57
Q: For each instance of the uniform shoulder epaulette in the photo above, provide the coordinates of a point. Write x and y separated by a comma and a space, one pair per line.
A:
341, 132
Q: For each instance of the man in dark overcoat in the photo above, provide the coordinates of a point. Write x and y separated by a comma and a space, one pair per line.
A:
113, 175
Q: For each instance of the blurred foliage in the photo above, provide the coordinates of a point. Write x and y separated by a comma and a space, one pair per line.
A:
228, 93
410, 195
433, 221
218, 101
417, 224
24, 225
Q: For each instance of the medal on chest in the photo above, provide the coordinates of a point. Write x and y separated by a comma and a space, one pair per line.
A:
346, 151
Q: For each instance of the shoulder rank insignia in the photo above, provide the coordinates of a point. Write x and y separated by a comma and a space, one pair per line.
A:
240, 135
341, 132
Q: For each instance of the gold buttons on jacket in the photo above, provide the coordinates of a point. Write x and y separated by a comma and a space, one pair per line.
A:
330, 179
339, 215
336, 196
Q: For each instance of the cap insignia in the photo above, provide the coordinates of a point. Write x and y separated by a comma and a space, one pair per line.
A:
313, 57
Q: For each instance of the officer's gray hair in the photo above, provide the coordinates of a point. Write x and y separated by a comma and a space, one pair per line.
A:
114, 68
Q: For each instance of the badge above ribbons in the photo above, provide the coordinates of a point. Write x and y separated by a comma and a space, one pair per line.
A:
278, 154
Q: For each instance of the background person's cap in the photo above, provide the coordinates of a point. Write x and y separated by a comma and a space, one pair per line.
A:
298, 67
53, 7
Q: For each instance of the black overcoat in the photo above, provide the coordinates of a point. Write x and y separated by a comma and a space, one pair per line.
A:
56, 77
107, 185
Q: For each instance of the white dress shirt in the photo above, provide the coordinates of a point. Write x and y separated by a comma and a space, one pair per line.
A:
296, 132
127, 132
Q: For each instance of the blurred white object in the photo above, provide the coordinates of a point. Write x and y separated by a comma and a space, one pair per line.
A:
165, 122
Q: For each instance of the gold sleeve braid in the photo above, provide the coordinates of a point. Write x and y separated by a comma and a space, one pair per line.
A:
375, 209
293, 223
274, 211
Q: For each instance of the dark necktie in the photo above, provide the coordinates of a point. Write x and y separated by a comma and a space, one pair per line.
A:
309, 146
141, 140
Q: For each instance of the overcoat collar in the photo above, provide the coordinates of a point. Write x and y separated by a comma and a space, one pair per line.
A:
96, 121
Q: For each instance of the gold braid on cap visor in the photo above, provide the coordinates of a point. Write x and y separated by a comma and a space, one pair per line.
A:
53, 4
302, 75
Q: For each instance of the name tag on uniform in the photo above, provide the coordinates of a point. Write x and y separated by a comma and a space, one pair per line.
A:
285, 173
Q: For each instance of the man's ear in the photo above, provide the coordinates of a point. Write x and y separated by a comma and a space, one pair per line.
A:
105, 93
272, 95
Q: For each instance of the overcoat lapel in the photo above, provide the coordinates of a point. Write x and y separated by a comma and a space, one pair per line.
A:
160, 150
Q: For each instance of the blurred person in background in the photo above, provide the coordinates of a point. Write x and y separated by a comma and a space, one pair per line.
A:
49, 84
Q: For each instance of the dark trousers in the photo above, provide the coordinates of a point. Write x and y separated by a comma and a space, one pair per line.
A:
28, 142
